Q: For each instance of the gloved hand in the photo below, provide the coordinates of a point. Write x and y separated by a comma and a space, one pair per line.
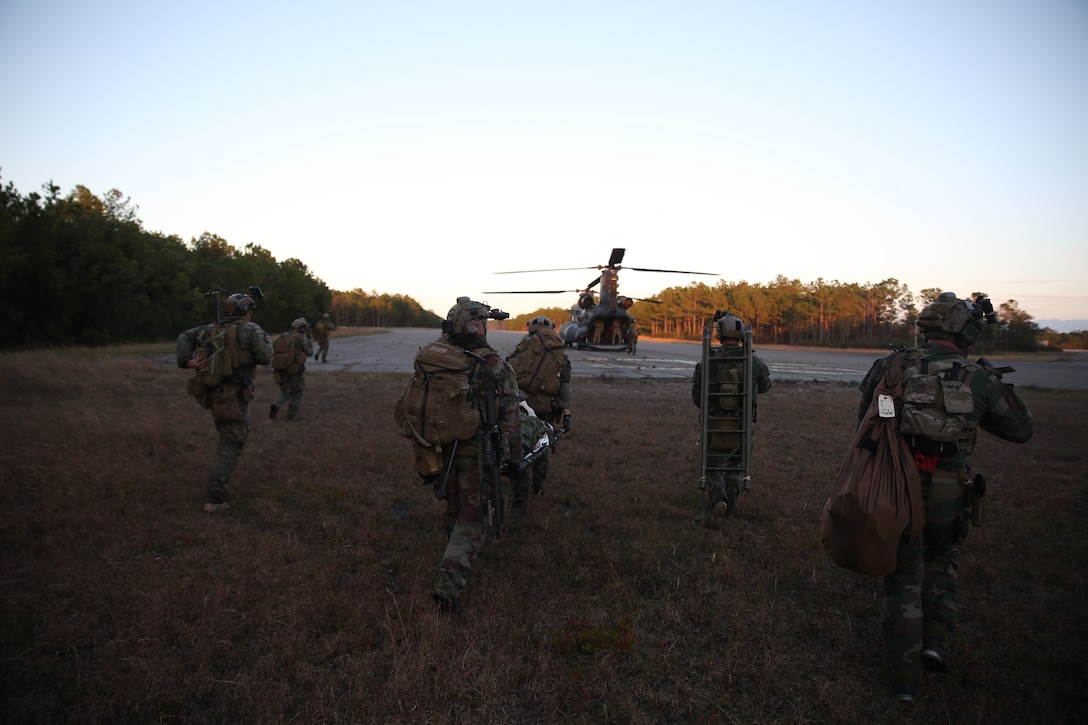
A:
566, 423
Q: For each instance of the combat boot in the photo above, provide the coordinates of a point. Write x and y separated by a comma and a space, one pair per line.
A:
447, 594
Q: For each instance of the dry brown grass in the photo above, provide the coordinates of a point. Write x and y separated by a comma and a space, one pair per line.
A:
309, 599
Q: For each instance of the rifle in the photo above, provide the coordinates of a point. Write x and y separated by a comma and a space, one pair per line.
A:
494, 447
989, 367
218, 304
545, 442
444, 486
493, 453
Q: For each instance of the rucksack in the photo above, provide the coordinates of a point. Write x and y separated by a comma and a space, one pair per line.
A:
936, 400
286, 357
219, 345
537, 361
438, 406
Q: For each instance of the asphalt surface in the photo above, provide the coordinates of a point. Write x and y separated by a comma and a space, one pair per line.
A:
394, 350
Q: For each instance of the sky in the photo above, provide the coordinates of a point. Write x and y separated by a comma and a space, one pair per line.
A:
417, 147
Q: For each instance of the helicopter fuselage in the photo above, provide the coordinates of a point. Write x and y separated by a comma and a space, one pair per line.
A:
604, 326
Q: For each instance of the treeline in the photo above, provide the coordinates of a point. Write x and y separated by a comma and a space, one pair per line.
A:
82, 270
832, 314
359, 309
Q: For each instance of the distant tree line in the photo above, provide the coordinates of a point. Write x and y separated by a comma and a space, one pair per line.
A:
82, 270
822, 314
830, 314
360, 309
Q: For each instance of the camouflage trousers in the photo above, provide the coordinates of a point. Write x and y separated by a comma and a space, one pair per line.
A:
291, 390
322, 350
920, 596
465, 522
228, 451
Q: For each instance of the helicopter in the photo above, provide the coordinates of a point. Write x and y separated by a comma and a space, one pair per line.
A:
599, 321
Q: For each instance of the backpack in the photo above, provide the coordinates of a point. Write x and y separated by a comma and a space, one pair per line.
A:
219, 345
877, 494
438, 405
936, 400
537, 361
287, 359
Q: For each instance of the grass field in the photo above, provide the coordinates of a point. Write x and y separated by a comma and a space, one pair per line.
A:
309, 600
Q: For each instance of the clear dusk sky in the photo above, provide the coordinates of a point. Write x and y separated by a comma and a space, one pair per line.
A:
418, 147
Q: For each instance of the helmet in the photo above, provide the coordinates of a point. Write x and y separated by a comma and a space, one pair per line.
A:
299, 324
952, 318
729, 326
324, 315
238, 304
540, 322
464, 315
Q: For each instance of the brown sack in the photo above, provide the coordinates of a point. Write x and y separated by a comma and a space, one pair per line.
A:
877, 495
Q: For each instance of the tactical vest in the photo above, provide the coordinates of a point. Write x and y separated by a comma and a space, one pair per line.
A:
937, 399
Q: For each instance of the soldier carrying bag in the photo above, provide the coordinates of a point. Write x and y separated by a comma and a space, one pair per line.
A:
877, 495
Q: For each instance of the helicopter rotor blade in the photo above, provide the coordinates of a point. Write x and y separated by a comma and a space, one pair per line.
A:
594, 283
675, 271
557, 269
640, 299
617, 256
531, 292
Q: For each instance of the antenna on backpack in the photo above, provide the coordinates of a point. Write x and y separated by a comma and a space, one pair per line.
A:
218, 304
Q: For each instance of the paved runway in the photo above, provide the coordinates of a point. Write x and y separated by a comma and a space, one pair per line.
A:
393, 351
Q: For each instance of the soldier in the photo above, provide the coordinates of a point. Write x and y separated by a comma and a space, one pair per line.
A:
543, 372
467, 498
248, 346
737, 376
290, 353
920, 596
321, 335
631, 338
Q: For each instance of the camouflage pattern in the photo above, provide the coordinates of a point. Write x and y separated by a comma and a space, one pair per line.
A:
232, 435
920, 596
532, 429
465, 314
949, 315
292, 387
465, 519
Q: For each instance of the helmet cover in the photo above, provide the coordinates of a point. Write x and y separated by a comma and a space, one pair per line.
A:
730, 326
464, 316
238, 304
948, 314
540, 322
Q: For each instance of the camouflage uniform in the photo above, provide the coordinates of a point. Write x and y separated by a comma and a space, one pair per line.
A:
920, 596
465, 519
293, 386
321, 335
718, 489
552, 409
533, 428
254, 348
